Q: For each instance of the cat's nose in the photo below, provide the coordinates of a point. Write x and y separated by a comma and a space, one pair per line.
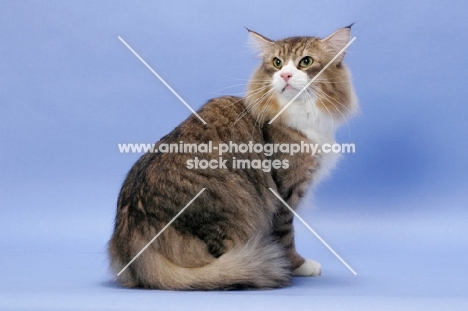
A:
286, 76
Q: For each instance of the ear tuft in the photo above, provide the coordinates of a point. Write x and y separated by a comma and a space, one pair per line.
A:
260, 43
338, 40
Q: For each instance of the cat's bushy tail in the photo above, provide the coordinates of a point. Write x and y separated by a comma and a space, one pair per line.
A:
259, 263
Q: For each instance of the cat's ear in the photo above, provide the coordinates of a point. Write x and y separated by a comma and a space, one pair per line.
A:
335, 42
260, 43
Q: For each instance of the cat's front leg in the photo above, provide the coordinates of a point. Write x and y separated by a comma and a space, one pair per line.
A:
283, 231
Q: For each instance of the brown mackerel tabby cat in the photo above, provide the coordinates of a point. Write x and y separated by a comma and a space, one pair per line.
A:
236, 234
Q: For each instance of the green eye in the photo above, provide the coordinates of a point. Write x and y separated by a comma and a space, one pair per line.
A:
306, 62
278, 63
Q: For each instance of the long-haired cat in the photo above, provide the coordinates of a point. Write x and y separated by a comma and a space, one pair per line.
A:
236, 234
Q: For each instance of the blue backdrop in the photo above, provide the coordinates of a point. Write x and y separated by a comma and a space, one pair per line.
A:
71, 91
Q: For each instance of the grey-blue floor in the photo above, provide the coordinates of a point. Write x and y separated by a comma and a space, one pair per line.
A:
409, 255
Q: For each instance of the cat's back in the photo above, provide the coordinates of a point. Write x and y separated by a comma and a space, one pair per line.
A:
223, 116
168, 177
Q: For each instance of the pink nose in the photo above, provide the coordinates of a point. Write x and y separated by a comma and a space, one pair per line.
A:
286, 76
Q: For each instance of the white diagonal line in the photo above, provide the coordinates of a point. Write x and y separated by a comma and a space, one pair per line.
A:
161, 79
159, 233
313, 231
311, 81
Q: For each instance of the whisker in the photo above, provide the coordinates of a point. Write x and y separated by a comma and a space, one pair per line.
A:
331, 100
227, 87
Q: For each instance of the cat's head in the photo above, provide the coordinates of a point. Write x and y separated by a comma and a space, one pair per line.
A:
288, 65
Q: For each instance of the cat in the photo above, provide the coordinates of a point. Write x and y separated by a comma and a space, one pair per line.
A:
236, 234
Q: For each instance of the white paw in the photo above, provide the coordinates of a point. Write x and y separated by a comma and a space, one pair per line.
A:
308, 268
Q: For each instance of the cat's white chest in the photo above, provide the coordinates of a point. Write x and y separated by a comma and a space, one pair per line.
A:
318, 127
306, 117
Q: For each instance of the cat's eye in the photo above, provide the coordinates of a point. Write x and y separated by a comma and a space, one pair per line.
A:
278, 63
306, 62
